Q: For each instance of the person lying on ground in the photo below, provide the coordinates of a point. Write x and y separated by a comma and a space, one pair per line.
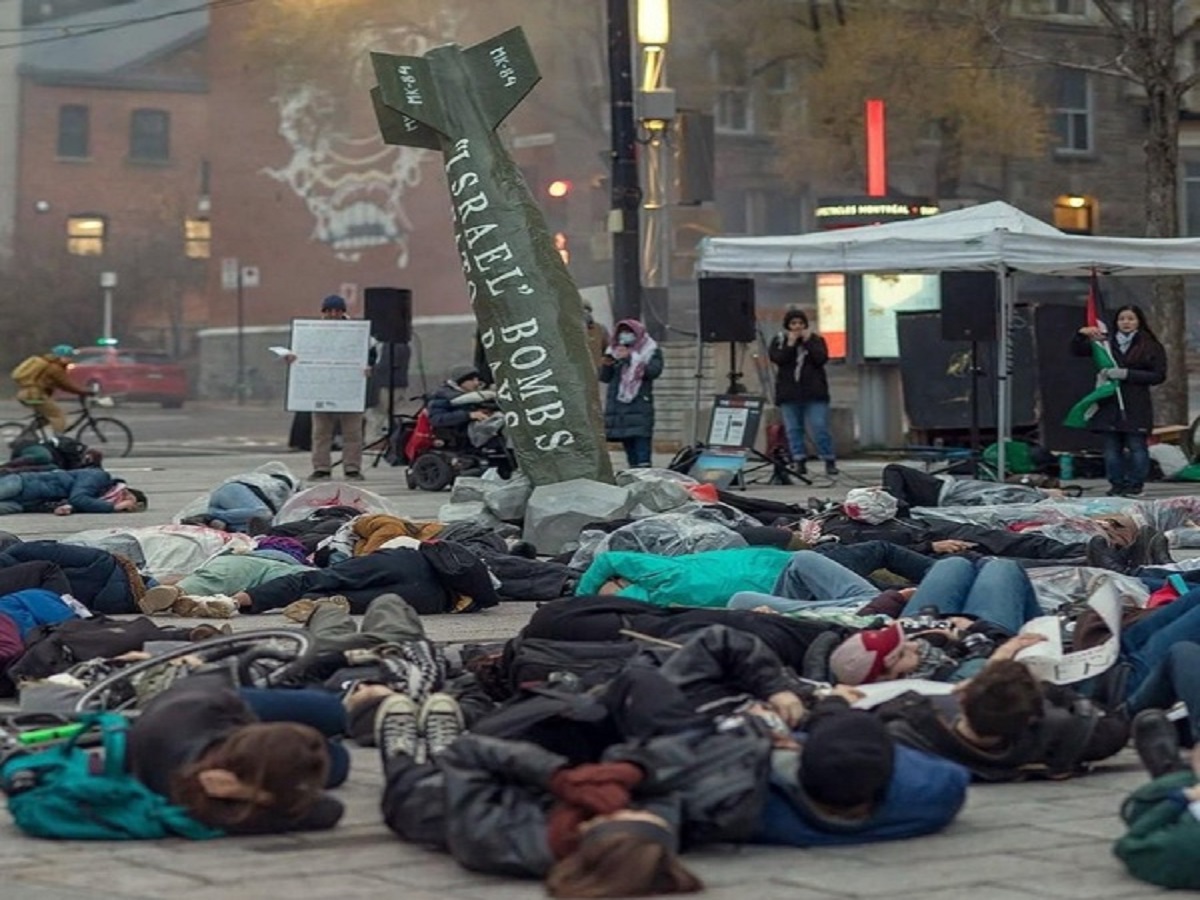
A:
248, 761
1162, 817
64, 493
104, 582
1004, 725
912, 487
224, 574
251, 497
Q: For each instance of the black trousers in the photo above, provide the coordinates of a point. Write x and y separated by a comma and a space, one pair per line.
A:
911, 487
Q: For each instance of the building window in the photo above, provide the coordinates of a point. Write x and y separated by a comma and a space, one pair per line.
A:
85, 234
73, 131
1073, 113
731, 109
776, 95
150, 135
197, 238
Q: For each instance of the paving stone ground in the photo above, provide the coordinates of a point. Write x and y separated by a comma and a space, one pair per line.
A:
1011, 842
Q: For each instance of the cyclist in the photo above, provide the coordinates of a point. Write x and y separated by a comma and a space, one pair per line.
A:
38, 377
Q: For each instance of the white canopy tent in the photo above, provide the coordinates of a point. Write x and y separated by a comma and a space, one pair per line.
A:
991, 236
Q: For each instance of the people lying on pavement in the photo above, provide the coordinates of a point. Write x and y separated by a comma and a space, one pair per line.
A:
1004, 725
65, 492
248, 761
912, 487
225, 574
103, 582
245, 498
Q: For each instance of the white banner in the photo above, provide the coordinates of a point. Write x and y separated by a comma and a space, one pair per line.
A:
329, 373
1047, 660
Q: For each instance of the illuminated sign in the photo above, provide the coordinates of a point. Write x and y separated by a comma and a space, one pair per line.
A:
851, 212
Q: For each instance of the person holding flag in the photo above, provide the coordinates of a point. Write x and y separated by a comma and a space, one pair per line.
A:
1129, 360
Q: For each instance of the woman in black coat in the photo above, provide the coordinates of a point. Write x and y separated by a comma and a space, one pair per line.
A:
629, 366
1126, 418
801, 388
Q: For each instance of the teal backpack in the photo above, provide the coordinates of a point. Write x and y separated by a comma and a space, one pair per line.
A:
54, 793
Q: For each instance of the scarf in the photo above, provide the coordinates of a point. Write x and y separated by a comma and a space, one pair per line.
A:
1124, 341
640, 352
586, 791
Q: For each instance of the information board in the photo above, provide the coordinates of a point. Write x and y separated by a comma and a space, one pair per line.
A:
329, 373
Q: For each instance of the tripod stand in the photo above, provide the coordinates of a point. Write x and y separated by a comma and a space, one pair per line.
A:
781, 469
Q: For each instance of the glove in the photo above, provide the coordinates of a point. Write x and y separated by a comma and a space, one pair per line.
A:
1115, 374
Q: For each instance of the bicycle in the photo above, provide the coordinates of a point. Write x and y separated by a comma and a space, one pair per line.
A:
111, 436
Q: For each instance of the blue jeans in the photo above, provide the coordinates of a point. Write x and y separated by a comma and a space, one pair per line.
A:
235, 505
813, 415
10, 487
637, 450
1146, 643
1126, 460
810, 581
1175, 677
996, 591
321, 710
864, 558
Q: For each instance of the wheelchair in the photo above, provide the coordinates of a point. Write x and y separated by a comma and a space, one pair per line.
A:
436, 456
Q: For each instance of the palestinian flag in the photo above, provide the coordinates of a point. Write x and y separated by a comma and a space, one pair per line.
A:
1082, 412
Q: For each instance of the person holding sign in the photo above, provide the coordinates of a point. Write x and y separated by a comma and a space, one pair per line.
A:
801, 388
333, 308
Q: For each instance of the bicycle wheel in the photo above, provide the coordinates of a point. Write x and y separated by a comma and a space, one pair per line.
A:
11, 431
112, 437
117, 692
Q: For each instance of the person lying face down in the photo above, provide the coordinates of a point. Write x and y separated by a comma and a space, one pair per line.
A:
66, 492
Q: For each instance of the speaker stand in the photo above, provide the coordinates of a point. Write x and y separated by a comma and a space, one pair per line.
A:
973, 434
382, 444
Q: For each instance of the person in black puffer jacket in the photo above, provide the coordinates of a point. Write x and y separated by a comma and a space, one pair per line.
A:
801, 388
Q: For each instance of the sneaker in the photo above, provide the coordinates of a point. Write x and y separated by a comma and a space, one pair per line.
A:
319, 475
160, 599
207, 632
1156, 742
301, 610
831, 467
355, 476
396, 731
217, 606
440, 722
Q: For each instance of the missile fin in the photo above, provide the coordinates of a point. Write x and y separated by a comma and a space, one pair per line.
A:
504, 72
406, 85
398, 129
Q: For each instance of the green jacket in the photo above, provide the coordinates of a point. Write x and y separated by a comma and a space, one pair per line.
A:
695, 579
1162, 845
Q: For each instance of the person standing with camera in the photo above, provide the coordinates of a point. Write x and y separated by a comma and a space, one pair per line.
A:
801, 388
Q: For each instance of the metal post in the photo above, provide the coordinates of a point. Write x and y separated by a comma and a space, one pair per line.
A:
625, 191
1003, 367
107, 329
241, 339
656, 252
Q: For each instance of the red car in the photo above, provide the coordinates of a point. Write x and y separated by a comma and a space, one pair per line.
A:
132, 374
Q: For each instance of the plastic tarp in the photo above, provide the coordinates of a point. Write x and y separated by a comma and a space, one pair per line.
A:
332, 493
668, 534
164, 552
199, 506
1056, 586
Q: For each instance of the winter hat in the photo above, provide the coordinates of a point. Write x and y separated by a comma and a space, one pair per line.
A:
62, 350
847, 760
871, 505
862, 657
333, 301
793, 314
459, 374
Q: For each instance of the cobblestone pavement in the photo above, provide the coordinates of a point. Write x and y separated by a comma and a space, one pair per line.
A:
1012, 842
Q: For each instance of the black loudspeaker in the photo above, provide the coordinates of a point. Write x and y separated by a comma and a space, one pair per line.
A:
727, 311
1062, 377
970, 302
389, 310
936, 376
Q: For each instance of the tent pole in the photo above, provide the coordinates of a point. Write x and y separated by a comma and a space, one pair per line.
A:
1003, 369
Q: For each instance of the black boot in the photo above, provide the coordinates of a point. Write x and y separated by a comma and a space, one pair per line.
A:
1103, 555
1157, 743
1143, 551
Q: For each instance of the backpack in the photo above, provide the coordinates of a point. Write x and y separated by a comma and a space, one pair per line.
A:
461, 573
54, 793
421, 439
28, 371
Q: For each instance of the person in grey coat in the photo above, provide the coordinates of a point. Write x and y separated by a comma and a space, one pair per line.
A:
629, 366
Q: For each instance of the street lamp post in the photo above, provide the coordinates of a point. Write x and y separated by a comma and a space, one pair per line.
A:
656, 109
108, 281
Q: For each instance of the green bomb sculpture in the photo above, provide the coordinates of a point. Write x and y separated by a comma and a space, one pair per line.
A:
529, 311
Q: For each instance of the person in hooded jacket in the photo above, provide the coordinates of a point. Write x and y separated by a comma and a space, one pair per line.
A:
629, 366
1126, 418
801, 388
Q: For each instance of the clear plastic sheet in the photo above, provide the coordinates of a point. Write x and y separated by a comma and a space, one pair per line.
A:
667, 534
165, 552
1059, 585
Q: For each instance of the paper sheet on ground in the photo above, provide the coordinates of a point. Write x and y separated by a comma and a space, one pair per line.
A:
1047, 660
